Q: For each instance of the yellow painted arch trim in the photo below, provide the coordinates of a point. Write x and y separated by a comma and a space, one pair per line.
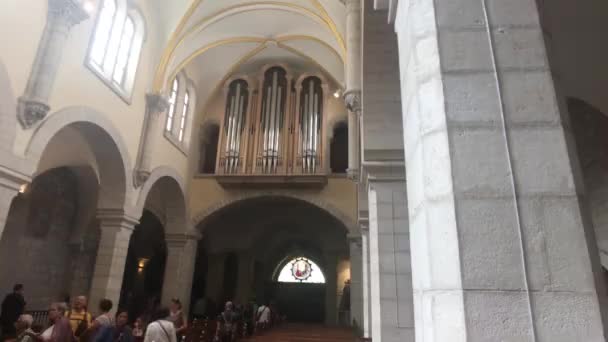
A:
279, 40
175, 43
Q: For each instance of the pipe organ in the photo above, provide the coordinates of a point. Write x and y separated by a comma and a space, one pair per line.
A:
274, 126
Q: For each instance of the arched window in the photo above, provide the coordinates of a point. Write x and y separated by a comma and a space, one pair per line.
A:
338, 153
301, 270
182, 124
116, 45
172, 105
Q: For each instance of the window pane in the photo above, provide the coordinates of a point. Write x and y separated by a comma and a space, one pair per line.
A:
301, 270
182, 125
172, 101
126, 42
102, 31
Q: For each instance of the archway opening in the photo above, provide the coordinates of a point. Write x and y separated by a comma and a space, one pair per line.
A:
249, 243
145, 267
208, 148
339, 148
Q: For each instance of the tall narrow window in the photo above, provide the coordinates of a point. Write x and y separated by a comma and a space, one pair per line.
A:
116, 44
103, 31
301, 270
273, 116
234, 124
172, 104
182, 124
126, 44
311, 115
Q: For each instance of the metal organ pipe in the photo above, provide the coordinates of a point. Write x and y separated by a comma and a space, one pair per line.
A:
310, 118
235, 117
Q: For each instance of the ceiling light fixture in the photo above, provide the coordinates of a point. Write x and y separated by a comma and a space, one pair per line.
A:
88, 6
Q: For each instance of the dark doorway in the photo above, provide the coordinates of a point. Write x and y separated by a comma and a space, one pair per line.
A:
208, 151
302, 303
339, 148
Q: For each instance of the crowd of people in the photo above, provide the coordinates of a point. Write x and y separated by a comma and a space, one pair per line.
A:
77, 324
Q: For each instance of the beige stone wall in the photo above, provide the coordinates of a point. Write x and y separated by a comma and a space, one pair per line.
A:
339, 197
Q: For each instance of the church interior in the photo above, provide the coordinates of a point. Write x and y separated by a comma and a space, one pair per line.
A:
367, 170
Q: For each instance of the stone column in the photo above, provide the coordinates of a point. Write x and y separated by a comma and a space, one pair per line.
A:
331, 289
352, 95
391, 302
365, 282
244, 280
215, 277
62, 15
356, 291
116, 228
179, 269
152, 129
498, 239
10, 183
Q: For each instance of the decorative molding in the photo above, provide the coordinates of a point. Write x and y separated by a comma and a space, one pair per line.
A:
70, 10
30, 112
140, 176
352, 99
116, 218
156, 103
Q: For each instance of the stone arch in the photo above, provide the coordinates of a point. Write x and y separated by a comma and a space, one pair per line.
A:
327, 207
173, 212
113, 162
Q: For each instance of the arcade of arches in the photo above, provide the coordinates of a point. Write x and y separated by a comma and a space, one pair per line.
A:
414, 170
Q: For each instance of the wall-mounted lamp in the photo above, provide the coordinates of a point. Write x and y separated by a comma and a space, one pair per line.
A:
337, 93
23, 188
88, 6
141, 264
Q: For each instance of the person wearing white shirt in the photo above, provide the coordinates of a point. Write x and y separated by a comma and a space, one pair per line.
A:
160, 329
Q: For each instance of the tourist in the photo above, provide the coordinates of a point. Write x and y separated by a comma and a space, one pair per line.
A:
59, 329
12, 307
227, 324
177, 317
80, 319
262, 317
138, 328
119, 332
24, 330
160, 330
105, 318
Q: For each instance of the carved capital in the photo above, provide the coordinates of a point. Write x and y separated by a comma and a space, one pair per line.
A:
352, 99
140, 177
30, 112
353, 174
156, 103
69, 12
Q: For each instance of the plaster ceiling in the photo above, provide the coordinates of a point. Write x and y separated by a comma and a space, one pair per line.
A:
214, 39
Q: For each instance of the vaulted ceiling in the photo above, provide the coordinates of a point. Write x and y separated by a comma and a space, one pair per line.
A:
213, 39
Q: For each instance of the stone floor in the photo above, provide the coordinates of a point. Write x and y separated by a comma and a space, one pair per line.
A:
306, 333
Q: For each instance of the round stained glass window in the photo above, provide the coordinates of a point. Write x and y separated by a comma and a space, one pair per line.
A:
301, 269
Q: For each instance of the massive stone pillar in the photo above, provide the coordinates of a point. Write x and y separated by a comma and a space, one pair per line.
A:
389, 249
498, 239
62, 15
152, 128
215, 277
352, 96
245, 278
179, 269
365, 282
356, 290
116, 228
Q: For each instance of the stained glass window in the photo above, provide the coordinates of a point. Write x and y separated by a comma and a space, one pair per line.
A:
301, 270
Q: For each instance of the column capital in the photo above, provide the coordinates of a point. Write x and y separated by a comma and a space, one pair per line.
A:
31, 111
11, 179
352, 99
383, 171
355, 240
180, 240
156, 103
70, 11
117, 219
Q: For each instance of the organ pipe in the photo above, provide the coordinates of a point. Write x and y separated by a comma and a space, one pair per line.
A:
273, 111
234, 123
311, 110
